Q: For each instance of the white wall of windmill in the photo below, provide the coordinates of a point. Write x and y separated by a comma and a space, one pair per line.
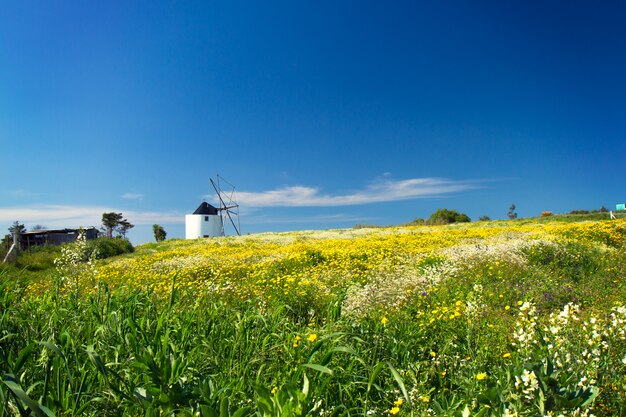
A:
203, 225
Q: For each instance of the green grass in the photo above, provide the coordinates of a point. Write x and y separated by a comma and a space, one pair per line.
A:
132, 353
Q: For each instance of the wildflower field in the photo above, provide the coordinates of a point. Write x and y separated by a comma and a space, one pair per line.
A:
503, 318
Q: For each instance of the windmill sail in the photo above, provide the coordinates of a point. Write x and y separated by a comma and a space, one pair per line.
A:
228, 205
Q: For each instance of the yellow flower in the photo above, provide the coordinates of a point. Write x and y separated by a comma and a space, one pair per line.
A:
398, 402
519, 303
312, 337
295, 345
394, 411
480, 376
274, 390
507, 308
433, 354
384, 320
443, 373
506, 355
424, 398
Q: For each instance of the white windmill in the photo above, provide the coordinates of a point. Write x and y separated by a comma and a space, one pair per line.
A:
207, 220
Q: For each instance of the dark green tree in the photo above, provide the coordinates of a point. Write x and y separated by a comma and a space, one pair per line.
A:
7, 240
512, 214
123, 227
17, 227
159, 232
115, 222
445, 216
5, 244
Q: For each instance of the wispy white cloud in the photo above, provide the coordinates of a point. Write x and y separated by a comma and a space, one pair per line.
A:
380, 191
21, 194
75, 216
132, 196
331, 218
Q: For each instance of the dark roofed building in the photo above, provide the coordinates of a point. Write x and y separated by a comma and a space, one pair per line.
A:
54, 237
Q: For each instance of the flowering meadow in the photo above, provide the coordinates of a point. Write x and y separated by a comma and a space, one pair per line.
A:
501, 318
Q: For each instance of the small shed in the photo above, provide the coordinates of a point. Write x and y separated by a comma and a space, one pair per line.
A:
54, 237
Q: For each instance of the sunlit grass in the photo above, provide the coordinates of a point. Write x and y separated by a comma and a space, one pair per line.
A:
493, 318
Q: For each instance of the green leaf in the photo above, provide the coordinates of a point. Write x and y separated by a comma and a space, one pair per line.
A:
21, 359
95, 359
305, 386
482, 412
173, 292
54, 348
241, 412
377, 369
39, 409
206, 411
346, 349
591, 394
400, 382
224, 405
319, 368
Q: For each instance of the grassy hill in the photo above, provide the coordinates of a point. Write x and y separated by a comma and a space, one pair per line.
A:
522, 317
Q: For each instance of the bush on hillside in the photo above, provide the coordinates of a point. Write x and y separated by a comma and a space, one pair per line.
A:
416, 222
38, 258
366, 226
445, 216
106, 247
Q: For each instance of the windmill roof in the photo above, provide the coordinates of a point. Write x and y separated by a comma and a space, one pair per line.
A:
205, 208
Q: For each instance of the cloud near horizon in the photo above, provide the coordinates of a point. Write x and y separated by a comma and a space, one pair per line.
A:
377, 192
53, 216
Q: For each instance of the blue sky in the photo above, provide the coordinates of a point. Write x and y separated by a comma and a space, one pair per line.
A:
323, 114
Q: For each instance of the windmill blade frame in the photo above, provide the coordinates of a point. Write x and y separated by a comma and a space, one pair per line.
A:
227, 203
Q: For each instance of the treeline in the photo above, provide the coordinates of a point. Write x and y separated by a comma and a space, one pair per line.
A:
447, 216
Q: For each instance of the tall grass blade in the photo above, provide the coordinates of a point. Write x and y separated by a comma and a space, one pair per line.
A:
400, 382
319, 368
23, 356
38, 409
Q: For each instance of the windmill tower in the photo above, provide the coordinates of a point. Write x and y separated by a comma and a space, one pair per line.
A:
208, 220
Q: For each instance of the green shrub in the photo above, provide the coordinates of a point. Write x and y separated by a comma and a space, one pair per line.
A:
445, 216
106, 247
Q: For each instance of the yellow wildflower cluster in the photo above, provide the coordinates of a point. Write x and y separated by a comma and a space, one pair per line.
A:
318, 263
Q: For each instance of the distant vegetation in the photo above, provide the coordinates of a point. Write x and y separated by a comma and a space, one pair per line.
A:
442, 216
115, 222
600, 210
366, 226
159, 233
445, 216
